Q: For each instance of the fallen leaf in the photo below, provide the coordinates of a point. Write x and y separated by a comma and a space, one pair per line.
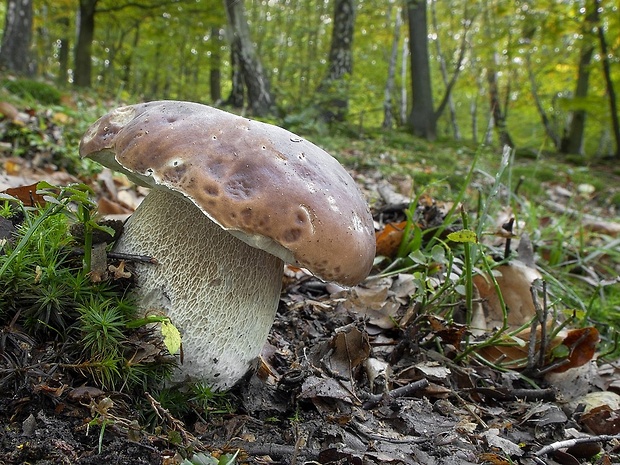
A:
171, 336
582, 344
26, 194
602, 420
389, 239
514, 281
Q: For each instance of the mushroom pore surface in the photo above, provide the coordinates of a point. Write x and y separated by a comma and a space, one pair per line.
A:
221, 293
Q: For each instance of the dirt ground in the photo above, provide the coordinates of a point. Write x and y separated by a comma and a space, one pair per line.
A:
332, 388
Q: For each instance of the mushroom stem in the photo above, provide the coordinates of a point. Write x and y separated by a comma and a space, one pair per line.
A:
221, 293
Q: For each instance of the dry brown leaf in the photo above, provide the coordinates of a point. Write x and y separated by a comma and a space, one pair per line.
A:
514, 281
602, 420
8, 111
582, 344
108, 207
512, 352
26, 194
389, 239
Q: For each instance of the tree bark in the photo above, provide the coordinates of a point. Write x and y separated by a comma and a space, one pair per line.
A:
86, 32
388, 115
247, 63
215, 73
63, 52
422, 117
444, 75
572, 141
611, 92
15, 48
335, 103
499, 115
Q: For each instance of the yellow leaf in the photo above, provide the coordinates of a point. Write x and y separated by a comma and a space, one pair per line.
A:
172, 336
464, 235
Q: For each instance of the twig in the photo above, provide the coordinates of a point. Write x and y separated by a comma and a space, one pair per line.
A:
572, 442
402, 391
549, 395
176, 424
132, 257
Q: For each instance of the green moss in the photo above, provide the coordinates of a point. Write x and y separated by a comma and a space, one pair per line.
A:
34, 90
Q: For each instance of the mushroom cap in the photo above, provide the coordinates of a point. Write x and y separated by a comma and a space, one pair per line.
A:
264, 184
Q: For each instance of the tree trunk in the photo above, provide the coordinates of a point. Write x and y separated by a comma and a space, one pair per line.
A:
403, 82
260, 99
237, 92
422, 116
499, 115
63, 52
444, 74
611, 92
335, 101
572, 141
215, 73
546, 121
86, 33
390, 82
15, 48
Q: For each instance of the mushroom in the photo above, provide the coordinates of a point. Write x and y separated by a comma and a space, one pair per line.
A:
231, 199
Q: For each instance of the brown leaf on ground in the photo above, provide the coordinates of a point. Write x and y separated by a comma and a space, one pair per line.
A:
389, 239
582, 344
602, 420
26, 194
514, 281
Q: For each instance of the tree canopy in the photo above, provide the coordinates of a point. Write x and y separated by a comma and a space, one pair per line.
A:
524, 73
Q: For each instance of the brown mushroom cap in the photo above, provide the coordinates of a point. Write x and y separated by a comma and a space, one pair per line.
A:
264, 184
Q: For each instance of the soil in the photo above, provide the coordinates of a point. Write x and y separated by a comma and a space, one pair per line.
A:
332, 388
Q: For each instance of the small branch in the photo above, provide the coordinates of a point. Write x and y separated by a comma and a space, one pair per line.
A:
573, 442
402, 391
132, 257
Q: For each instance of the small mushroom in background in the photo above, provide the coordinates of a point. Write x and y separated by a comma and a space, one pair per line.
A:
231, 199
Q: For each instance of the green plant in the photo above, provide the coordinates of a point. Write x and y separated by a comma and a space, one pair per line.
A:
204, 459
33, 90
45, 287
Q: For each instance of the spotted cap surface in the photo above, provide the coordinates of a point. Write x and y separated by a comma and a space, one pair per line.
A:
264, 184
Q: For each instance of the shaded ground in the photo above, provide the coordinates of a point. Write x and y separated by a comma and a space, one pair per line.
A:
339, 383
312, 401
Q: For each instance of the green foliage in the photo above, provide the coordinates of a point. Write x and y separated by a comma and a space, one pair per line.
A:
36, 91
204, 459
46, 291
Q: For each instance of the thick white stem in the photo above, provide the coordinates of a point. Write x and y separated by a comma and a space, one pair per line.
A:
221, 293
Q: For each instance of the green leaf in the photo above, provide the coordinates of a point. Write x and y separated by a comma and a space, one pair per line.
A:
172, 336
463, 236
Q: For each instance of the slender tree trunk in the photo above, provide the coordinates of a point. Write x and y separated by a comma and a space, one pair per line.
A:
237, 91
15, 48
499, 114
63, 52
444, 75
403, 82
390, 82
335, 102
611, 92
215, 70
83, 47
422, 116
572, 141
544, 117
256, 82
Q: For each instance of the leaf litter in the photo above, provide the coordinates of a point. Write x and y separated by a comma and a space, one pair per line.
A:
350, 376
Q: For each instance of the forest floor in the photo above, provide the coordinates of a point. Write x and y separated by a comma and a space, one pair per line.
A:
349, 376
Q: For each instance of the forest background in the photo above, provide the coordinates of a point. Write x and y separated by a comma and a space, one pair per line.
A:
537, 75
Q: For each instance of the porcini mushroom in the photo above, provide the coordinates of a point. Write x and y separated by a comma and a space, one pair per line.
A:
230, 200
